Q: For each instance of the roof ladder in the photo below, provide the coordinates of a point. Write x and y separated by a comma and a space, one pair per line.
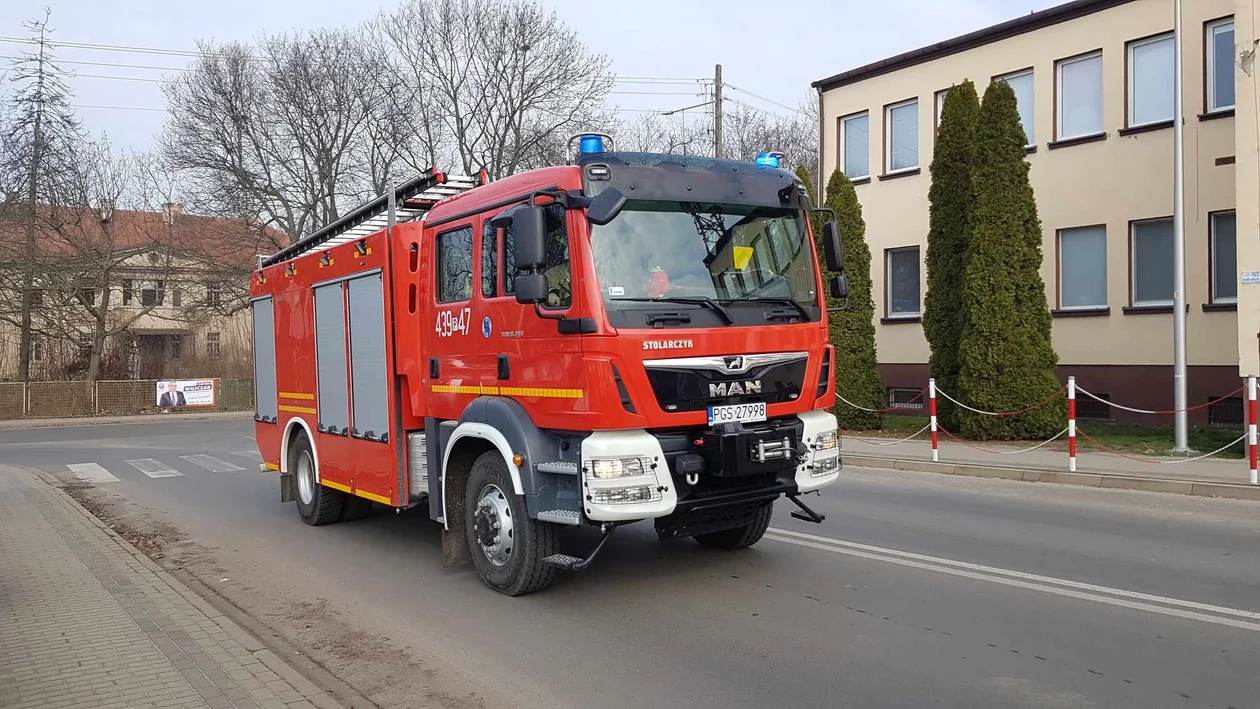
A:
412, 200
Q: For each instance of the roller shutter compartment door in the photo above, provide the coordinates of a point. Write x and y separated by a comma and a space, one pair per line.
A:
330, 358
368, 379
264, 360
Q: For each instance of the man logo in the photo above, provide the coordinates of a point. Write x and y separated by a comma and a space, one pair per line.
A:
752, 386
734, 364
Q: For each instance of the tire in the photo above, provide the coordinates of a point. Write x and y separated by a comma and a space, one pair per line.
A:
740, 537
355, 508
511, 564
317, 504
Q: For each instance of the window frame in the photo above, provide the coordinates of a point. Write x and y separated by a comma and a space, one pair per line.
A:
1130, 86
938, 109
888, 137
494, 234
1020, 73
844, 147
214, 345
888, 283
1209, 65
1058, 270
1133, 301
1212, 297
1058, 95
474, 286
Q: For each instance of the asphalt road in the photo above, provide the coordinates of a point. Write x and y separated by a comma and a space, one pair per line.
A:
918, 591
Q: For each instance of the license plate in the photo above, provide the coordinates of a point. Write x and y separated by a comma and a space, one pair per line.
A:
737, 413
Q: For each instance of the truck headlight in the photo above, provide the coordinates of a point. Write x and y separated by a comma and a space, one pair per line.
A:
612, 468
825, 466
826, 441
625, 495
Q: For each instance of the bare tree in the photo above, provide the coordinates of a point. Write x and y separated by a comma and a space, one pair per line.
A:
508, 79
38, 135
655, 133
279, 130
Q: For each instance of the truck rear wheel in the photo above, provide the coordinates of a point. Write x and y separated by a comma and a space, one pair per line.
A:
316, 503
355, 508
740, 537
507, 546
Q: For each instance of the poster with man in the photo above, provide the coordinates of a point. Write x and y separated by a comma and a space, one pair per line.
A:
177, 394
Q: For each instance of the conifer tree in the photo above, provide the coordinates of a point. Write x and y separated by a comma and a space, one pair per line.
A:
950, 200
1008, 360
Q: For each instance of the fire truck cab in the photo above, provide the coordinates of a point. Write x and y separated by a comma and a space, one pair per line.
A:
628, 337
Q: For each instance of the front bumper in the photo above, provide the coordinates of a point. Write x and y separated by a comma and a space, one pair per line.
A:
662, 491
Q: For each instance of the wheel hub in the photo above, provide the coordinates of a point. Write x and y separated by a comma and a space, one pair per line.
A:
305, 477
492, 525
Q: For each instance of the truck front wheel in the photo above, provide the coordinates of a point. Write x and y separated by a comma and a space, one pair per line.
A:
316, 503
507, 547
740, 537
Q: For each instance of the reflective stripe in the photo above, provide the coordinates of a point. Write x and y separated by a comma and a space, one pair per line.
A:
335, 486
298, 409
536, 392
295, 395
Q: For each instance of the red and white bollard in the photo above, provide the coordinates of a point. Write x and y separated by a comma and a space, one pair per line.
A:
1072, 424
1251, 427
932, 412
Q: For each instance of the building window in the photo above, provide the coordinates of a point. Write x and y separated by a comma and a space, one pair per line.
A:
1225, 411
38, 350
489, 260
177, 296
454, 265
177, 346
37, 297
1150, 65
126, 292
940, 106
1088, 407
1080, 93
212, 345
905, 398
1219, 63
901, 136
214, 293
1224, 258
155, 295
85, 344
902, 290
1021, 82
1083, 267
856, 142
1152, 262
87, 296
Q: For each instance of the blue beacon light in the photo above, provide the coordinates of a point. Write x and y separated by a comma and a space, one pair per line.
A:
590, 144
769, 159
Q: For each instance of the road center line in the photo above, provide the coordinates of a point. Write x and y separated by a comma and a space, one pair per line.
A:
1044, 584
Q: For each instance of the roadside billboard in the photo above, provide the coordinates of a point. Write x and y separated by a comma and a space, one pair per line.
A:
179, 393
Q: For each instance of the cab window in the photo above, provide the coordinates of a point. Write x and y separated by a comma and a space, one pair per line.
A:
454, 265
559, 277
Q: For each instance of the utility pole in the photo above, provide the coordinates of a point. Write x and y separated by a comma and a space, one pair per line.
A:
717, 111
1180, 440
28, 277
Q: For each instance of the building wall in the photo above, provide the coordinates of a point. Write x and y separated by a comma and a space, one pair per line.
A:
1247, 135
1110, 182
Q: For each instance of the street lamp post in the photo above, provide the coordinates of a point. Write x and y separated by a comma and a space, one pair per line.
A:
1180, 440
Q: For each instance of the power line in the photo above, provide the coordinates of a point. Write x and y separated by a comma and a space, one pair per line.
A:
111, 47
121, 78
657, 93
767, 100
119, 108
755, 108
108, 64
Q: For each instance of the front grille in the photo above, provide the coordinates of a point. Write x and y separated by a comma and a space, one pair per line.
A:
690, 390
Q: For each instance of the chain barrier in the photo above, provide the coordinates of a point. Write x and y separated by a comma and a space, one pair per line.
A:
883, 444
898, 407
1002, 413
1153, 461
1166, 412
994, 452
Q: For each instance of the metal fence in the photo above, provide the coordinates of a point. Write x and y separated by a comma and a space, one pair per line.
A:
109, 398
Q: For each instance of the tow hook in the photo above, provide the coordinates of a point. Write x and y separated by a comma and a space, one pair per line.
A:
573, 563
805, 512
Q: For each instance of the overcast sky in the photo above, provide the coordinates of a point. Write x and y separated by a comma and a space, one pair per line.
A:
774, 48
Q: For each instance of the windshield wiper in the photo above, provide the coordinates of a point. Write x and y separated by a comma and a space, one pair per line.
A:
777, 301
702, 301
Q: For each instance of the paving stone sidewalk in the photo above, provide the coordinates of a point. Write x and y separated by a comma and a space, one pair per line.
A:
87, 621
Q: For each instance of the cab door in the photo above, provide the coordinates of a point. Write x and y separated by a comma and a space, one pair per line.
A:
453, 371
527, 358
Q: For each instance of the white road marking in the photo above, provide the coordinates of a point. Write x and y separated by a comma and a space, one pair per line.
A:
209, 462
248, 455
92, 473
154, 468
1045, 584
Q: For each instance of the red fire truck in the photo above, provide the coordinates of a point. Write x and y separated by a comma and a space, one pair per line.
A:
627, 337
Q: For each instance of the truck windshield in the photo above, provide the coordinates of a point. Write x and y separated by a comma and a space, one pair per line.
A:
734, 255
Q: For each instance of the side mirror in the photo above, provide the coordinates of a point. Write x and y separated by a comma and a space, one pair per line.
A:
833, 249
529, 233
839, 286
605, 206
531, 288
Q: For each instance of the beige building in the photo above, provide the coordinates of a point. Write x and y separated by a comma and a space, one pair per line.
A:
1094, 79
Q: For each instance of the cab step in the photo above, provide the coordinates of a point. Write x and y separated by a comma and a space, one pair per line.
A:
573, 517
573, 563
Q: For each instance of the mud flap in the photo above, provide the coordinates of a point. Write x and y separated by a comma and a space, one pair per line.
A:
288, 488
455, 550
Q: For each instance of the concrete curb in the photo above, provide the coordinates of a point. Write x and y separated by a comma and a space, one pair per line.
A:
1198, 488
19, 424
